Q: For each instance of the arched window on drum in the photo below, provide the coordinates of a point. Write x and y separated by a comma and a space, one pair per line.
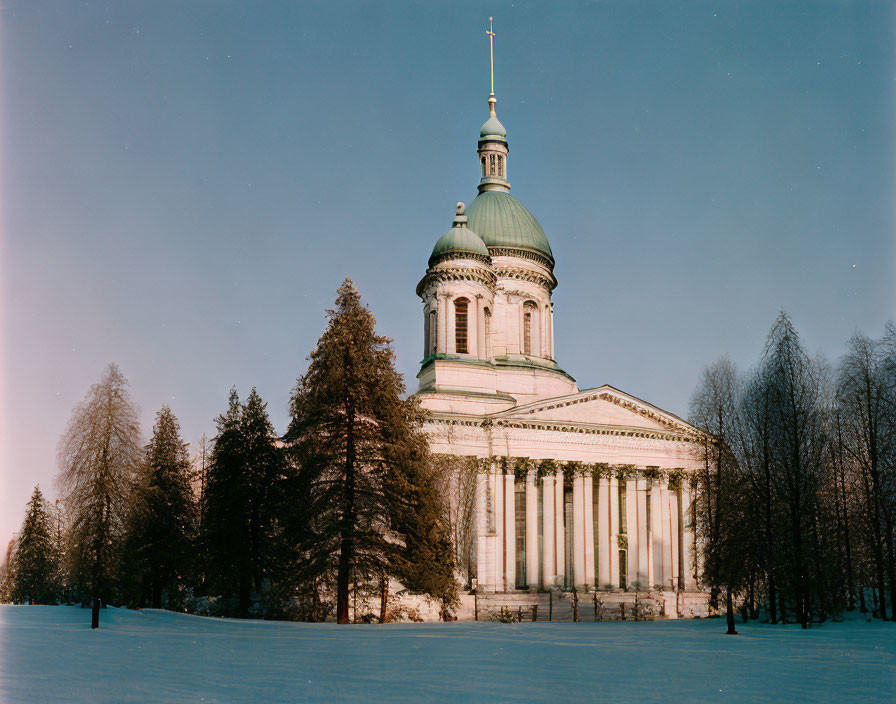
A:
530, 328
433, 332
461, 333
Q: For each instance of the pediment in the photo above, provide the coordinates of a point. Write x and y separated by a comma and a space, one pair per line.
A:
602, 406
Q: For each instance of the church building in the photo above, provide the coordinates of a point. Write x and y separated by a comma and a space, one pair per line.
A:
567, 488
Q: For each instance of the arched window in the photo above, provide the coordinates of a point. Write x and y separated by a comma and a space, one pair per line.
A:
460, 325
488, 332
527, 332
500, 166
491, 164
484, 170
433, 332
528, 314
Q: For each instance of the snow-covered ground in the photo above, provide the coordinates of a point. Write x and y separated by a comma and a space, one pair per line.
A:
49, 654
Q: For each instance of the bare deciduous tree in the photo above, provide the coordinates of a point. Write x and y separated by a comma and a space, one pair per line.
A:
99, 456
866, 413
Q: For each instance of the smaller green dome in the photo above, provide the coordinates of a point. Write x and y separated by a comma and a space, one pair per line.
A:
493, 128
460, 240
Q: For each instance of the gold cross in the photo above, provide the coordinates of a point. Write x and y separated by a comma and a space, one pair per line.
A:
491, 51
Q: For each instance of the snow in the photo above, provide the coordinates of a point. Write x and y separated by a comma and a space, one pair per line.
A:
49, 654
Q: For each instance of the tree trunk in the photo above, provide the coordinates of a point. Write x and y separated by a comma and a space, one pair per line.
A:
245, 597
95, 613
769, 566
384, 598
729, 613
347, 544
891, 567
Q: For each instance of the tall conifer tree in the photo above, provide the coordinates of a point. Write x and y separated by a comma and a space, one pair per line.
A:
372, 505
162, 529
33, 563
241, 500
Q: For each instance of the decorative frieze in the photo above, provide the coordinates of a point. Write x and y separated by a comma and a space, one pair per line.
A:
437, 276
536, 257
519, 274
566, 427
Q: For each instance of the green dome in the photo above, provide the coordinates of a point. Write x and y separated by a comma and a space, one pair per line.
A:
502, 221
493, 128
461, 240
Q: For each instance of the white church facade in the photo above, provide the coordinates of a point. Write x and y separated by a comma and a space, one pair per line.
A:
586, 489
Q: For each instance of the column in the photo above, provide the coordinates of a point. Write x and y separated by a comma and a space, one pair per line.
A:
578, 529
603, 531
531, 531
614, 532
655, 537
551, 323
665, 538
673, 534
509, 533
450, 320
481, 528
643, 546
560, 530
480, 327
690, 583
589, 532
498, 484
442, 324
550, 570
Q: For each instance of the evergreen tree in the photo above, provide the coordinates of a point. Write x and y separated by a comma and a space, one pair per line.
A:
263, 473
241, 501
372, 506
34, 560
161, 531
100, 454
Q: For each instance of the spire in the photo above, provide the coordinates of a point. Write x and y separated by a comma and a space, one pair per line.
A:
491, 55
492, 137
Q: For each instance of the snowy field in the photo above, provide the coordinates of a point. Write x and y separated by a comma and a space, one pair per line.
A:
49, 654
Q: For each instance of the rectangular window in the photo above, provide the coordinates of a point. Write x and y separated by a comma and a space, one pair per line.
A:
622, 522
519, 504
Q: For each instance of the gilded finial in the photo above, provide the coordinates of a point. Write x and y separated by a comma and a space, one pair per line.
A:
491, 52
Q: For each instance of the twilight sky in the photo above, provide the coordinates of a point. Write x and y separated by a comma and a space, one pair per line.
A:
185, 184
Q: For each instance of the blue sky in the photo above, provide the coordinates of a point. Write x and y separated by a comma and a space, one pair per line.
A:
185, 185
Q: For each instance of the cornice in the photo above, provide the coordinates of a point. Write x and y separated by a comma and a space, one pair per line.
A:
565, 427
529, 254
479, 275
